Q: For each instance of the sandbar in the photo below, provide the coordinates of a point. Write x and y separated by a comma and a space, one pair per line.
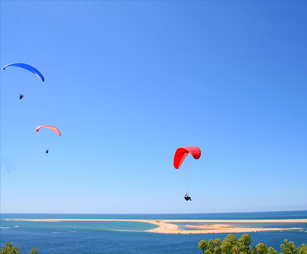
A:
203, 226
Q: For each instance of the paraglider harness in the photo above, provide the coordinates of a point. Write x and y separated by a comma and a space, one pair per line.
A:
20, 96
187, 198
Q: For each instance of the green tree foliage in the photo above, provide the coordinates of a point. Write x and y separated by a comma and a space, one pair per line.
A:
302, 249
9, 249
272, 251
260, 248
34, 251
231, 245
289, 247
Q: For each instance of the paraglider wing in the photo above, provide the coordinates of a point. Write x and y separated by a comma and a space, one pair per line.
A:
27, 67
49, 127
182, 152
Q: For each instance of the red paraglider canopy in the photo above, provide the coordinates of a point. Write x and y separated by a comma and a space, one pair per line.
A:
182, 152
49, 127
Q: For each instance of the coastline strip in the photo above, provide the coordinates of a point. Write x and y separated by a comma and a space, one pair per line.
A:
166, 226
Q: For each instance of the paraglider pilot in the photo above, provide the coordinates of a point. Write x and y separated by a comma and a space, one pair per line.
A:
186, 197
47, 151
20, 96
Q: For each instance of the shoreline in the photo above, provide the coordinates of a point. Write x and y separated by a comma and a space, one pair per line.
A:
166, 226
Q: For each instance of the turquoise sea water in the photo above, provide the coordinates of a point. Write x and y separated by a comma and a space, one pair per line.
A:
128, 237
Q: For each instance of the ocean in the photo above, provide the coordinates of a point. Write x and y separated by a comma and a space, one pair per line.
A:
80, 237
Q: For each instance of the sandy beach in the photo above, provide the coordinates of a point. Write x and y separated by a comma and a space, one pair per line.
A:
202, 226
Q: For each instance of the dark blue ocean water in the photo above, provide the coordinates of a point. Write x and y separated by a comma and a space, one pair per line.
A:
127, 237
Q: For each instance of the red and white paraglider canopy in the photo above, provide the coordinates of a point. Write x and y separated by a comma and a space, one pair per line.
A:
182, 152
49, 127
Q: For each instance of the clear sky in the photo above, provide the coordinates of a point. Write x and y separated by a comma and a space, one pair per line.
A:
129, 82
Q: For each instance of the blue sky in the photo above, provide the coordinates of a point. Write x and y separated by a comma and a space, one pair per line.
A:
128, 82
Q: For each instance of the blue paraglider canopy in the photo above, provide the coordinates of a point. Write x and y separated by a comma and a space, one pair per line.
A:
27, 67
